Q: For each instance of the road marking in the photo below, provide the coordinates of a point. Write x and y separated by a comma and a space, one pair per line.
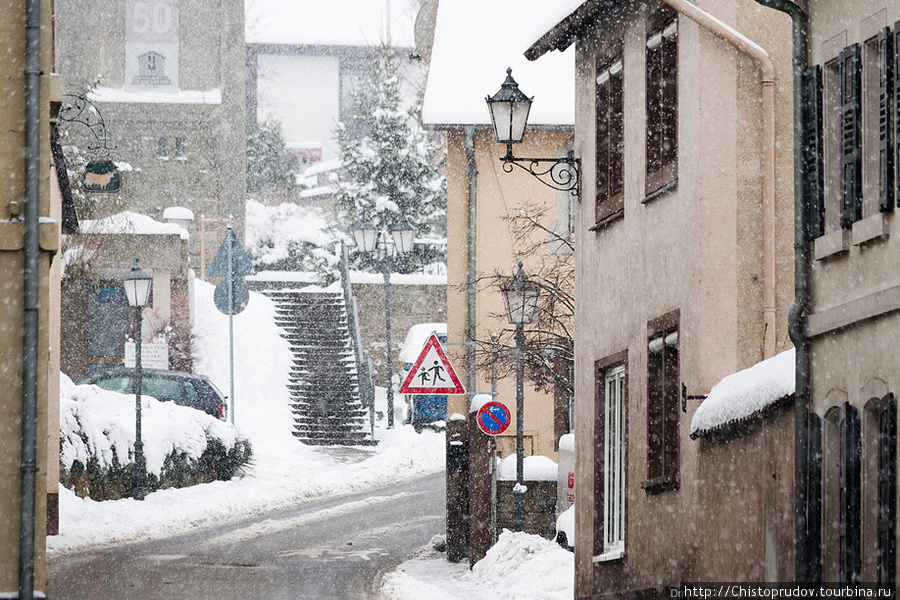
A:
270, 526
328, 554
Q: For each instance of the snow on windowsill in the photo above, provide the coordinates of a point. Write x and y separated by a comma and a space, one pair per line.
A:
745, 394
609, 556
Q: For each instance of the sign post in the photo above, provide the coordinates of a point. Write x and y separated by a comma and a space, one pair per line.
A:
231, 295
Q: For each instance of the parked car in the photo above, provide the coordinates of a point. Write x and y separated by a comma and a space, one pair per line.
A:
184, 389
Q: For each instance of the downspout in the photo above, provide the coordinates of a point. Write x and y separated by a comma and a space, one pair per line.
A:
767, 75
31, 297
473, 214
804, 553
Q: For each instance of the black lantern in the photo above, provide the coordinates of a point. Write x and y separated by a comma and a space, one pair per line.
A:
509, 111
520, 297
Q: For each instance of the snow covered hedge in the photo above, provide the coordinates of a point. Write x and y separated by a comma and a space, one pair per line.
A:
182, 446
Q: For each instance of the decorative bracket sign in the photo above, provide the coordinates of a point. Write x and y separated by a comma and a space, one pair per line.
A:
432, 372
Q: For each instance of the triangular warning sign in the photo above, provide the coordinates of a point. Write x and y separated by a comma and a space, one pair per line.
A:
432, 373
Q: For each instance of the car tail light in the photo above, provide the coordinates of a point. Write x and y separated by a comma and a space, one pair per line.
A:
222, 412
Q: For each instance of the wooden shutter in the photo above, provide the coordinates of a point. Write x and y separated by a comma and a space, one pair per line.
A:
850, 136
897, 111
610, 156
654, 114
885, 121
849, 517
813, 192
655, 415
602, 109
887, 492
814, 500
671, 406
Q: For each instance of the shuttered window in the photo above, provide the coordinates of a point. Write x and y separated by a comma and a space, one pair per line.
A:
662, 101
850, 137
610, 456
610, 132
813, 152
662, 404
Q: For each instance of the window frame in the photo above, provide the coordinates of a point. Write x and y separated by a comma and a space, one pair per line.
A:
663, 406
602, 550
661, 111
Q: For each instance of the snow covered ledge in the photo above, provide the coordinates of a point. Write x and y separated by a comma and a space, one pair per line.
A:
746, 394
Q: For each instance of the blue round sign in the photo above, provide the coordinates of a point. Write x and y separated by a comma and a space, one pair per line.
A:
493, 418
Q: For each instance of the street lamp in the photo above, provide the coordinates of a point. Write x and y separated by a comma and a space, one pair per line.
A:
520, 297
137, 284
365, 234
509, 109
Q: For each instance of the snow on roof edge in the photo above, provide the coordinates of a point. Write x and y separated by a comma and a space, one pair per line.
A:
746, 394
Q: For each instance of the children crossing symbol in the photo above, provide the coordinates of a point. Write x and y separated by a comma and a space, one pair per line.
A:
432, 372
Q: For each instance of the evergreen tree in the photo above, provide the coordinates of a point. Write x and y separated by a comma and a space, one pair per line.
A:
390, 165
269, 164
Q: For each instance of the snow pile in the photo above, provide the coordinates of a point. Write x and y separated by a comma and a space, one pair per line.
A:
133, 223
565, 523
520, 566
534, 468
746, 393
288, 231
98, 423
284, 472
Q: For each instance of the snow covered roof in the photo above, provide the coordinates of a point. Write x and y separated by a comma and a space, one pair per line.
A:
133, 223
474, 43
105, 94
333, 23
746, 394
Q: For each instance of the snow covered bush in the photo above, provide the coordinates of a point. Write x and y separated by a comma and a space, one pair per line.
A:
182, 446
289, 237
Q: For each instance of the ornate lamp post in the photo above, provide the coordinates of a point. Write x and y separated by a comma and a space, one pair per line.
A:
137, 287
509, 110
365, 234
520, 297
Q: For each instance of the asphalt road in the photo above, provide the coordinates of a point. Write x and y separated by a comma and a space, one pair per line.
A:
330, 550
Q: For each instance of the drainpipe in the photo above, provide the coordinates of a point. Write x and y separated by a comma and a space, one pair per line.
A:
31, 285
473, 182
804, 551
767, 76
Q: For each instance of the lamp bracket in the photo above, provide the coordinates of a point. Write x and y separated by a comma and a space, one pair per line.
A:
558, 173
685, 397
80, 110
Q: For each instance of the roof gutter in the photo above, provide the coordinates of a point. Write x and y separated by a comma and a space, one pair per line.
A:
806, 551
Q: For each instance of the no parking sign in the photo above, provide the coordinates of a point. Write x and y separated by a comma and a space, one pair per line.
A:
493, 418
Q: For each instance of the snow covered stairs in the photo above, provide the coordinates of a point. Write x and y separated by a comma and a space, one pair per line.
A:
324, 382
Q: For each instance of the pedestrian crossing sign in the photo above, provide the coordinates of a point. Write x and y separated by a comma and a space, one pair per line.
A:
432, 372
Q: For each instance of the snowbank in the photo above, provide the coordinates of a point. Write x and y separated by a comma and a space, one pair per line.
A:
746, 393
107, 421
520, 566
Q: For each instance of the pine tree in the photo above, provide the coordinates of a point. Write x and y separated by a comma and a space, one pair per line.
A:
269, 163
390, 165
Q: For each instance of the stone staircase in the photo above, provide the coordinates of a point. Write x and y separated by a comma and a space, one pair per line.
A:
324, 382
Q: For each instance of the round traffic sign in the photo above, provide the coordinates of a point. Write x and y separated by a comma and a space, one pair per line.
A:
493, 418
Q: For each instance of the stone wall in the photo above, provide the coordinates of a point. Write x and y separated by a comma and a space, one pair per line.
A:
540, 507
410, 304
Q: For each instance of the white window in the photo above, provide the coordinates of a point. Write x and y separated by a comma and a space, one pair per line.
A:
614, 462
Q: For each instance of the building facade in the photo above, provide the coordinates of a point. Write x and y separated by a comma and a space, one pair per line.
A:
683, 276
168, 79
854, 314
13, 139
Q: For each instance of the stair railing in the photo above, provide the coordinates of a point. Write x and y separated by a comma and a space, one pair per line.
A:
363, 366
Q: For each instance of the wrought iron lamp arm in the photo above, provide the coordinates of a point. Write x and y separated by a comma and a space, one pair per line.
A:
558, 173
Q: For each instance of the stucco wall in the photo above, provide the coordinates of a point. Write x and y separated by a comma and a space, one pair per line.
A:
498, 195
696, 249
